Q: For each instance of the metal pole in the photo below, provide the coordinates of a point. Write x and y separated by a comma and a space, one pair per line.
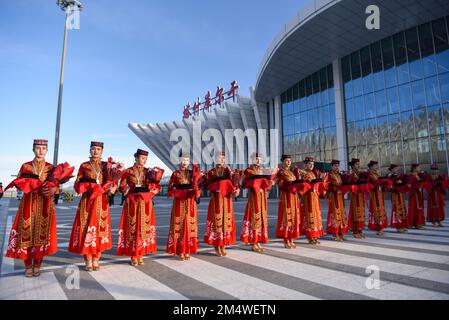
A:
61, 86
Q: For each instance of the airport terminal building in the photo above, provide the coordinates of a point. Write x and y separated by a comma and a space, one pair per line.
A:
336, 89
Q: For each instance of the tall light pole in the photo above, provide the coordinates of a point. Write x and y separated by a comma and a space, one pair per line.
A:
68, 6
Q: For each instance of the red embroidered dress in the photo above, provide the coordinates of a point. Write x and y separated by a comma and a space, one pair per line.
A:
220, 224
398, 205
255, 220
33, 234
183, 233
288, 224
310, 207
416, 202
337, 223
357, 204
435, 201
377, 213
137, 230
91, 232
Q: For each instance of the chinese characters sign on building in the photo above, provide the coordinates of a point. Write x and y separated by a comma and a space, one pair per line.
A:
209, 101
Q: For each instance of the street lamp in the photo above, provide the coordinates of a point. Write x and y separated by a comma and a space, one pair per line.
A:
68, 6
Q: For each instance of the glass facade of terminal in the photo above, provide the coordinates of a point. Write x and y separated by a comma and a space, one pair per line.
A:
396, 94
397, 98
308, 111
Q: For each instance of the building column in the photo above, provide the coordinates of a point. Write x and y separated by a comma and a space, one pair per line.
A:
340, 115
277, 121
276, 124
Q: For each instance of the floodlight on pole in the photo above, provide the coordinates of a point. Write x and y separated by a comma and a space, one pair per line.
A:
67, 6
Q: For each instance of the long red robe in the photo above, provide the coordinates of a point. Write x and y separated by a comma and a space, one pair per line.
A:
289, 222
435, 201
255, 220
398, 206
416, 203
33, 234
91, 232
310, 208
220, 223
183, 233
337, 223
137, 230
378, 219
357, 206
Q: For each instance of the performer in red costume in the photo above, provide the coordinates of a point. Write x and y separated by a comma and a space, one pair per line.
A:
378, 220
255, 220
398, 206
91, 232
435, 201
183, 233
137, 230
220, 224
357, 203
337, 224
288, 225
310, 207
33, 234
416, 217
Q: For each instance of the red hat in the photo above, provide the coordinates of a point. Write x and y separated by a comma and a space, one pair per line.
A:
372, 163
335, 162
96, 144
286, 156
392, 166
309, 159
141, 152
413, 167
434, 166
40, 142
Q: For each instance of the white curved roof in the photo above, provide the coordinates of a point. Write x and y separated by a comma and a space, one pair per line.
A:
328, 29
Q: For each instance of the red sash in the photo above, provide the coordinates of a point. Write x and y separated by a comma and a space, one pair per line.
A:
225, 187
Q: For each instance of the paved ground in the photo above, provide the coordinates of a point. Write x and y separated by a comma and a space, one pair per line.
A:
408, 266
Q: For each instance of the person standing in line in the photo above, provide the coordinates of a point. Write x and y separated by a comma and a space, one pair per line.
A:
398, 206
288, 224
337, 223
416, 217
310, 207
378, 220
183, 232
137, 229
435, 200
220, 224
91, 232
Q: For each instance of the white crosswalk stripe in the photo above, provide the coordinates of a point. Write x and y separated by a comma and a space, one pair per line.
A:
46, 287
387, 252
123, 282
7, 263
413, 237
336, 279
405, 243
234, 283
386, 266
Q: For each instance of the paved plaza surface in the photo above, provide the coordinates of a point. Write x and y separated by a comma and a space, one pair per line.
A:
396, 266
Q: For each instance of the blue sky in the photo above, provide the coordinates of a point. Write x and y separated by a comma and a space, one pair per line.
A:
130, 61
